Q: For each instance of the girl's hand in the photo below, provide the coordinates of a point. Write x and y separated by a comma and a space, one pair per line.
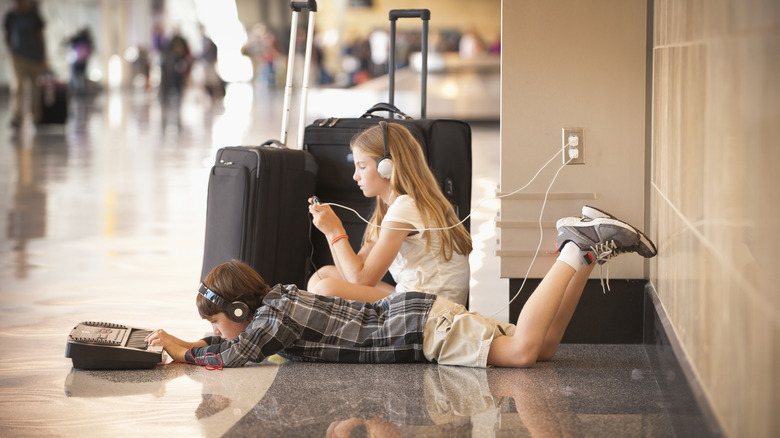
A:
326, 220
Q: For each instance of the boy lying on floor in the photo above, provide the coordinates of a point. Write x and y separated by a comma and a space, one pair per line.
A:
252, 321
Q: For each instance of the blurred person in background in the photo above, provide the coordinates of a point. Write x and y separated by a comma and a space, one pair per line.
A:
208, 56
23, 27
262, 50
176, 66
81, 47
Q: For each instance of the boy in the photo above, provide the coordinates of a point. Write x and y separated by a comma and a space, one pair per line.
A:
252, 321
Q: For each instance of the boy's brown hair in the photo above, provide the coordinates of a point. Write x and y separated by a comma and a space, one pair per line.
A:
233, 281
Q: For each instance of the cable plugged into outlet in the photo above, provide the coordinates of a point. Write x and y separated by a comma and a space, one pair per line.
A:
573, 142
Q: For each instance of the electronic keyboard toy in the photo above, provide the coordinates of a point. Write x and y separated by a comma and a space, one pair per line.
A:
107, 346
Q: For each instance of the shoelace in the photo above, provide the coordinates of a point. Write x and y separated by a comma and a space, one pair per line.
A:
604, 252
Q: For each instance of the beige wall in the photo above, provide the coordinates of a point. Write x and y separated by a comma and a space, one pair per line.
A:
715, 201
713, 197
569, 63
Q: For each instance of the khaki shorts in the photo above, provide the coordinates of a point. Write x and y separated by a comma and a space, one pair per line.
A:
455, 336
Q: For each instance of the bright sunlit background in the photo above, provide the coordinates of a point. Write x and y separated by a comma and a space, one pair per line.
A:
220, 20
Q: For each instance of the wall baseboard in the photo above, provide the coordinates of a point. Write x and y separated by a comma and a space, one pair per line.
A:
686, 404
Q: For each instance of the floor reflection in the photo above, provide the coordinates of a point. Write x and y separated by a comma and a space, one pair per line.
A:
430, 400
347, 400
27, 213
155, 401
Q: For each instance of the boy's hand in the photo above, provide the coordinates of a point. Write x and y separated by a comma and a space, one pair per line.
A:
175, 347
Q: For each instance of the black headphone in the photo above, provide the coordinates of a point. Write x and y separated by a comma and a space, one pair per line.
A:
385, 164
236, 311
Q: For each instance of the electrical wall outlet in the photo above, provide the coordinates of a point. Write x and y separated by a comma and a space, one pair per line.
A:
573, 144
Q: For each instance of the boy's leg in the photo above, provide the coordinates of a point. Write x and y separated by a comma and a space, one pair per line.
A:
522, 349
582, 242
571, 297
644, 247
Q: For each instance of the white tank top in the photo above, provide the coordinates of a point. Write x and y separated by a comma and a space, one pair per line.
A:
416, 268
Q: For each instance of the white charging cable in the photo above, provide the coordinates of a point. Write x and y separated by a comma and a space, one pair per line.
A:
479, 204
541, 238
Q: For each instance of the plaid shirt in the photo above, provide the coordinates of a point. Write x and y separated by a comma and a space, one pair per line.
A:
311, 327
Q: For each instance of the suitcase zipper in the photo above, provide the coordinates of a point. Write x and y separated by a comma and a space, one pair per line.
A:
329, 122
257, 155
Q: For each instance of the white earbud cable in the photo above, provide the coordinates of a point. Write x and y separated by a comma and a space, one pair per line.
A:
479, 204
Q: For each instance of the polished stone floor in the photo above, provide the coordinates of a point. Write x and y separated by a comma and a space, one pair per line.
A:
103, 219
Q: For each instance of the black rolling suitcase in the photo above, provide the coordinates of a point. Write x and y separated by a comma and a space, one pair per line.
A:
54, 100
446, 145
257, 209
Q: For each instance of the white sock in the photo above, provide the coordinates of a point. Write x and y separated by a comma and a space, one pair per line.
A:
570, 254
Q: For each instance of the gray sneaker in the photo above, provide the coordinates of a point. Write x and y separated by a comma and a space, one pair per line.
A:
591, 212
646, 248
599, 239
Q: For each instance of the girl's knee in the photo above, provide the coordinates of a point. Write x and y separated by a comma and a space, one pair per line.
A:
325, 286
322, 273
328, 271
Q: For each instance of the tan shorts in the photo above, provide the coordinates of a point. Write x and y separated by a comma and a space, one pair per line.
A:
455, 336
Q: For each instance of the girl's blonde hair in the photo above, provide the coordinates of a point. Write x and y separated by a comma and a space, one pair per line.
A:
412, 176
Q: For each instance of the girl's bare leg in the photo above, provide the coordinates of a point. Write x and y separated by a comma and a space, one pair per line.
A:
349, 291
328, 271
328, 281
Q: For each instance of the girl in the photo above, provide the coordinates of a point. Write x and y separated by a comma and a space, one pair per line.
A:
411, 232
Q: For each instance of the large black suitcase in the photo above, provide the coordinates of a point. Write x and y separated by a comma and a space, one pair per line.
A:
257, 206
446, 145
257, 211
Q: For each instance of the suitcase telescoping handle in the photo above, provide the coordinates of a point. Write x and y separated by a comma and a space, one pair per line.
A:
425, 16
297, 7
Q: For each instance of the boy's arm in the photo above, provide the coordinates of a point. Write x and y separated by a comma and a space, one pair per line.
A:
249, 346
175, 347
177, 352
271, 331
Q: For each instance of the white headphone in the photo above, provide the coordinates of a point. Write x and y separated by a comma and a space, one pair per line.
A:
385, 164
